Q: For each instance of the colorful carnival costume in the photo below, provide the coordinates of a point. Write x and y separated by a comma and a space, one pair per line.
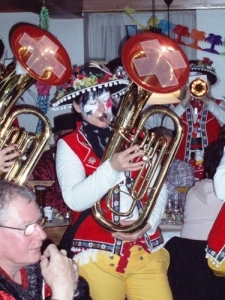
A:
113, 267
33, 286
201, 122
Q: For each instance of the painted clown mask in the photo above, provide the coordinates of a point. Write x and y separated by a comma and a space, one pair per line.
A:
95, 104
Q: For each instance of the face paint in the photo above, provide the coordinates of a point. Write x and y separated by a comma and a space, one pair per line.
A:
107, 101
93, 105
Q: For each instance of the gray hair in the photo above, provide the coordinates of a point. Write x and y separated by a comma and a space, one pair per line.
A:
9, 191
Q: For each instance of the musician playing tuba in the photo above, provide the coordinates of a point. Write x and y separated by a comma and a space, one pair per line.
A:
38, 56
116, 265
201, 117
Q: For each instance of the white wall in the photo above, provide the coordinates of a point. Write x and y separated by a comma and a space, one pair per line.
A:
212, 21
68, 32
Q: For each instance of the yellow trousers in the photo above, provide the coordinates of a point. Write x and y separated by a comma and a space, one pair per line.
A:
145, 276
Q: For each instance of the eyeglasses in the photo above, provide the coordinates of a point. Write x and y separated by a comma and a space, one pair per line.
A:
29, 229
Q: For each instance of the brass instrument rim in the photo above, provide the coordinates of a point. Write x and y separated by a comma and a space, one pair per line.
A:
193, 88
22, 54
133, 49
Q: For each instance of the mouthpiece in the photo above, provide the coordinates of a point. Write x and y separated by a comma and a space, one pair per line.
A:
103, 117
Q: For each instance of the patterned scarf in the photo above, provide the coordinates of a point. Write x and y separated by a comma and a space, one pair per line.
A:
97, 137
31, 287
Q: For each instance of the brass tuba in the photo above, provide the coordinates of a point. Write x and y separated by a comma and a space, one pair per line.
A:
170, 59
33, 48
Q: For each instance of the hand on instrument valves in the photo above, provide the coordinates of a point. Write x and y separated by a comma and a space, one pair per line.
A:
122, 161
131, 237
8, 155
59, 272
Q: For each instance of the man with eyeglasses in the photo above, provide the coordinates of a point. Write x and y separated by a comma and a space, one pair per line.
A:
25, 274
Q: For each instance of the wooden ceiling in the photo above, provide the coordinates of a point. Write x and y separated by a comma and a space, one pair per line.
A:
69, 9
58, 9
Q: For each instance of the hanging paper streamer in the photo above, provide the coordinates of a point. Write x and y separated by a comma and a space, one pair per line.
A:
44, 18
167, 28
129, 11
42, 88
43, 100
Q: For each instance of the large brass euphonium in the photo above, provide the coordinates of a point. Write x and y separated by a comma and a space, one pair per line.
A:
144, 64
45, 59
35, 145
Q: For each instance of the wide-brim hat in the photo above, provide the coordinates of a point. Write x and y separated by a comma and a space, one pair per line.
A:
89, 79
204, 67
64, 122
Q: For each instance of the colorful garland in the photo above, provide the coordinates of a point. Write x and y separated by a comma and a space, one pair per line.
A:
43, 88
43, 100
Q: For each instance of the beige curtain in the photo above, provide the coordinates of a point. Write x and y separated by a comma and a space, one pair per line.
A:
105, 33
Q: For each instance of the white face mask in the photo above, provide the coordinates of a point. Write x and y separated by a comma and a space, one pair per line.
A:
94, 109
93, 106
